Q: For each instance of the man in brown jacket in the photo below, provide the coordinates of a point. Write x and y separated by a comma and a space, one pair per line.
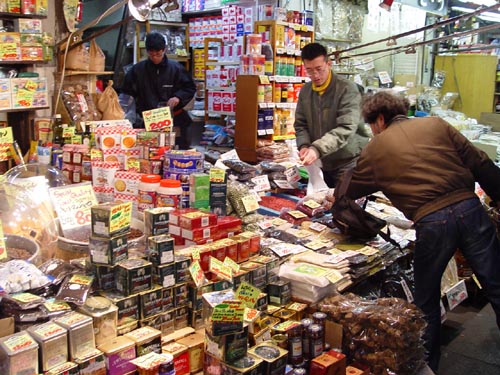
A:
428, 170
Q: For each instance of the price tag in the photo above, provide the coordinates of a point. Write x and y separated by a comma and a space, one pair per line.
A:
229, 312
248, 294
334, 277
265, 224
384, 77
297, 214
95, 154
6, 140
315, 245
3, 247
235, 267
264, 80
230, 155
220, 269
279, 221
196, 273
261, 183
68, 132
283, 184
196, 254
158, 118
217, 175
72, 204
317, 227
293, 175
311, 204
250, 203
120, 217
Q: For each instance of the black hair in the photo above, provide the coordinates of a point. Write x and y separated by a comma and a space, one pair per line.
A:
383, 103
313, 50
155, 41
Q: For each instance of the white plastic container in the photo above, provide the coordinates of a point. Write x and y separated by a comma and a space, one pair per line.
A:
169, 194
148, 187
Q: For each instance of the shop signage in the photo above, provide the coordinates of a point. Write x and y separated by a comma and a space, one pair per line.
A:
248, 294
158, 118
72, 204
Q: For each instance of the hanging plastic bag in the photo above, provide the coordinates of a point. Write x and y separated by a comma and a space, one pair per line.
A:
316, 181
97, 57
109, 104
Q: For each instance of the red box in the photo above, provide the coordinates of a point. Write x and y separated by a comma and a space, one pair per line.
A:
254, 241
218, 250
229, 224
191, 218
329, 363
243, 248
231, 248
200, 233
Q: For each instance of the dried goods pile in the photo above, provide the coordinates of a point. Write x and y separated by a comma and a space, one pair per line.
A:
385, 334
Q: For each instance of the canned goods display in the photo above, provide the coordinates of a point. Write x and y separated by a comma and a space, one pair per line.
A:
316, 340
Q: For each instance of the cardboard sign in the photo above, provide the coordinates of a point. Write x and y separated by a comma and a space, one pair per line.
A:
121, 216
6, 139
232, 311
248, 294
158, 118
220, 269
196, 273
231, 264
3, 247
72, 204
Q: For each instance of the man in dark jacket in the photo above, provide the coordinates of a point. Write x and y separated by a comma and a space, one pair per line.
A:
159, 81
428, 170
328, 122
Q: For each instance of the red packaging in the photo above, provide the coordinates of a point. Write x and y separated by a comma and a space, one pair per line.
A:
199, 233
254, 241
218, 250
329, 363
229, 224
178, 241
217, 95
243, 248
226, 101
192, 218
231, 248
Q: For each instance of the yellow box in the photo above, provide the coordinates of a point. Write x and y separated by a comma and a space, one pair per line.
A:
14, 6
42, 7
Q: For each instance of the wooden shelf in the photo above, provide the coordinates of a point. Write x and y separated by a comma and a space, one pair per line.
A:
69, 73
20, 15
23, 109
221, 63
21, 62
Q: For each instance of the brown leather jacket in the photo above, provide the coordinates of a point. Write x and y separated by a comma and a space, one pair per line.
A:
423, 165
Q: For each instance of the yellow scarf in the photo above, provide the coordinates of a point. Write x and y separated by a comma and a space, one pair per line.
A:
321, 89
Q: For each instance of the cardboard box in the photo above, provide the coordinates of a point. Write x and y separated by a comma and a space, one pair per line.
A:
228, 348
195, 344
330, 363
118, 353
6, 326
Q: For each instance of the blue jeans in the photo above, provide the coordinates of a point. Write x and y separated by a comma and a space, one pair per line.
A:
465, 226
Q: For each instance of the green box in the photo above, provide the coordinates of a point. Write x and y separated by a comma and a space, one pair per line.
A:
199, 190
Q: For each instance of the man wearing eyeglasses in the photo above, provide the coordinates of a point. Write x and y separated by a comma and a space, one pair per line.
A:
328, 123
158, 82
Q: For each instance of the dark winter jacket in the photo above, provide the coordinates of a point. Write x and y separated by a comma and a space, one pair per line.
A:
152, 84
423, 165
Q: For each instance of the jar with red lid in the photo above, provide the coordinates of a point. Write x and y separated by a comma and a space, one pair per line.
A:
148, 187
169, 193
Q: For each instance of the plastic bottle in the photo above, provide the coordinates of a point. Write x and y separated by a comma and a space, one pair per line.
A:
169, 194
148, 187
57, 130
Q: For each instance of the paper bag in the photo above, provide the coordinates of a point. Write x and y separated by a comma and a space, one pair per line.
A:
316, 181
78, 58
97, 57
109, 105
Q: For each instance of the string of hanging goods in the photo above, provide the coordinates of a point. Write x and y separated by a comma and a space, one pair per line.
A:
336, 54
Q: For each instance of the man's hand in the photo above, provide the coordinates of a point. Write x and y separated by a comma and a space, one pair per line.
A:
172, 102
308, 155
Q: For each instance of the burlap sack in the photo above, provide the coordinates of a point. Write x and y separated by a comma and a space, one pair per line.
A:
97, 57
78, 58
109, 105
